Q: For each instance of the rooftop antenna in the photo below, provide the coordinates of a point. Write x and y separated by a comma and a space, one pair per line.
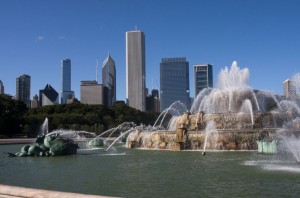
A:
135, 27
97, 70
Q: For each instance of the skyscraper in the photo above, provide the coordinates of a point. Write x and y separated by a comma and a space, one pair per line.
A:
1, 87
48, 96
35, 102
91, 92
109, 80
174, 82
23, 89
135, 70
66, 92
289, 89
153, 102
203, 77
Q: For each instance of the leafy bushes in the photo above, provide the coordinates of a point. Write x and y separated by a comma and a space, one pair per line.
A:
15, 118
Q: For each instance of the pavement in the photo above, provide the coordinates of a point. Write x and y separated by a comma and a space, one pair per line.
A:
21, 192
17, 141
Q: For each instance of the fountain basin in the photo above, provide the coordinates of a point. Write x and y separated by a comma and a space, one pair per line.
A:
263, 141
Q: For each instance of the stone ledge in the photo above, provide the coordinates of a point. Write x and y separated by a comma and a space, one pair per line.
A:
21, 192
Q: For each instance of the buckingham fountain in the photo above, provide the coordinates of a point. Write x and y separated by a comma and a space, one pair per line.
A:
230, 117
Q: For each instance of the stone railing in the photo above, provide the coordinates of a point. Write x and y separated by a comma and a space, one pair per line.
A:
13, 191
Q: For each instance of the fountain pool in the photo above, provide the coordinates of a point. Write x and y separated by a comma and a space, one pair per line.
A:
136, 173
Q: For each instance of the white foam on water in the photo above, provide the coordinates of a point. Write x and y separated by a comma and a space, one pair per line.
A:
272, 167
113, 154
90, 149
251, 163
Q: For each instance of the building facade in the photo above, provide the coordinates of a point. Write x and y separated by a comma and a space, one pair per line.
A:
109, 80
48, 96
153, 101
1, 87
66, 92
135, 70
91, 92
203, 77
35, 102
174, 82
23, 89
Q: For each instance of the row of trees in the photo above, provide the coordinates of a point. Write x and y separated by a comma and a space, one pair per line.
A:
16, 119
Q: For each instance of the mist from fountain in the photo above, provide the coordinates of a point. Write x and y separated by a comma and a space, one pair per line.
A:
233, 78
121, 127
247, 108
200, 98
118, 138
44, 128
210, 128
292, 145
74, 135
175, 109
264, 97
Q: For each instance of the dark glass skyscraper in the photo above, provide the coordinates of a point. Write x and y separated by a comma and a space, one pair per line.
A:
203, 77
66, 92
1, 87
174, 82
23, 89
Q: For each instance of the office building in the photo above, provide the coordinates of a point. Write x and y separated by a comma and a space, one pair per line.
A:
23, 89
153, 102
203, 77
174, 82
135, 70
109, 80
35, 102
66, 92
288, 89
48, 96
91, 92
1, 87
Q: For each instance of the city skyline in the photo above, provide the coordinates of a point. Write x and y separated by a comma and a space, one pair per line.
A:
259, 35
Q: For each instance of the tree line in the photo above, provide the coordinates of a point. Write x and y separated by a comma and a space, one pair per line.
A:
17, 120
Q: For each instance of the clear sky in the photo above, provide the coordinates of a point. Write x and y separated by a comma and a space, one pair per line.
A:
35, 35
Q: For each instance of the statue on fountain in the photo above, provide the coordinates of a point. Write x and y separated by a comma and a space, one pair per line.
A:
181, 132
50, 145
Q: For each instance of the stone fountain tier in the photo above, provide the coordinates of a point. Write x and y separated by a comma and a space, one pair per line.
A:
233, 121
224, 139
233, 131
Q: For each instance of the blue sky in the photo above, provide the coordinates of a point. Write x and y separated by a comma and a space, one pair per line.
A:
262, 35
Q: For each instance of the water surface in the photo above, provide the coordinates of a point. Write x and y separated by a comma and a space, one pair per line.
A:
148, 173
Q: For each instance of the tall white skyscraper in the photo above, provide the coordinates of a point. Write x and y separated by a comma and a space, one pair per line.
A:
135, 70
66, 92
